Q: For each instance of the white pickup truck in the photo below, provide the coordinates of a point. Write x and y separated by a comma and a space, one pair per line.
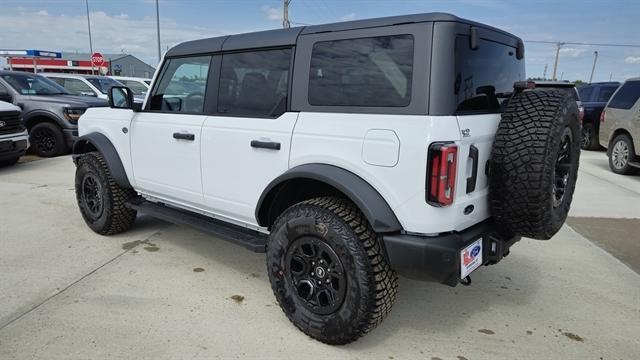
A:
14, 139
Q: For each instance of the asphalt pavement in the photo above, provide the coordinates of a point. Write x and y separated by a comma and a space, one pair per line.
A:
161, 291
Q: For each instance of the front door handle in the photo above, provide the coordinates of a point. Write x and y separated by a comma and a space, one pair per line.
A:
184, 136
265, 144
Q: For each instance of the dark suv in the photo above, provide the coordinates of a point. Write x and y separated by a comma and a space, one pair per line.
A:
50, 113
594, 98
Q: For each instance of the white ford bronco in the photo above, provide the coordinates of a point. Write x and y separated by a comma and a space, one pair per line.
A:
348, 152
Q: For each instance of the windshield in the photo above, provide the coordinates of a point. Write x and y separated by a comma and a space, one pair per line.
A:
104, 84
31, 84
137, 87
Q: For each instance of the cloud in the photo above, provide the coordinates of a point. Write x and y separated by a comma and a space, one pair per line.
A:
42, 13
110, 34
632, 60
271, 13
348, 17
572, 51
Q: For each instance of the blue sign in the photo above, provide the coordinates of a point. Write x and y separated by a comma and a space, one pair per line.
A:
31, 53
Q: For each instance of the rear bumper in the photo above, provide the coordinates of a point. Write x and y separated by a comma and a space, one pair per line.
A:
438, 258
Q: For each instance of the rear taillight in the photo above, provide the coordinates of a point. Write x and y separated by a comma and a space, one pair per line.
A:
581, 110
441, 175
603, 117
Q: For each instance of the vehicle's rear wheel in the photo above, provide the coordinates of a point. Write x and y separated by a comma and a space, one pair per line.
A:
328, 272
534, 163
47, 140
621, 152
102, 202
589, 139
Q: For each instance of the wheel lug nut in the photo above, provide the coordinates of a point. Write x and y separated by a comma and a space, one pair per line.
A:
327, 281
313, 274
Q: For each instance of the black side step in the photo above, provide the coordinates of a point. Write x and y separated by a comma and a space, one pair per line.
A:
635, 164
250, 239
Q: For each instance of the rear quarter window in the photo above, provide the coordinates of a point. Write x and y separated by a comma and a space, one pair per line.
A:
372, 72
627, 96
605, 93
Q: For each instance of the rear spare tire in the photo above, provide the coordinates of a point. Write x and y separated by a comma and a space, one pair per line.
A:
534, 163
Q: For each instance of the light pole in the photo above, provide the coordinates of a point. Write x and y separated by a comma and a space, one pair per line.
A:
158, 30
90, 43
555, 65
593, 69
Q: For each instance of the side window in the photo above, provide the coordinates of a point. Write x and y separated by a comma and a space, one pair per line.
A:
586, 92
182, 85
3, 90
78, 87
627, 96
483, 76
254, 83
375, 71
605, 93
59, 81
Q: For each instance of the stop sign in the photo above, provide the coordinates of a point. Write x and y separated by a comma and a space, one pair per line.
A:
97, 59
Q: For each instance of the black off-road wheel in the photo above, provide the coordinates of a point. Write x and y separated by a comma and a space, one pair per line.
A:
621, 152
102, 202
47, 140
534, 163
328, 272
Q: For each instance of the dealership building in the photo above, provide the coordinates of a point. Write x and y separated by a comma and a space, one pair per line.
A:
80, 63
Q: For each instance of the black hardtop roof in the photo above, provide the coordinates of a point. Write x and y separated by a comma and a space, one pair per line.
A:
287, 37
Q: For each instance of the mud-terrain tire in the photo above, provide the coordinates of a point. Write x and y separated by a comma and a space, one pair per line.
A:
47, 140
621, 152
329, 233
534, 163
102, 202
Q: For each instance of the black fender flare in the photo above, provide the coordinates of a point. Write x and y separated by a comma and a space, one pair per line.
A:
109, 153
27, 118
374, 207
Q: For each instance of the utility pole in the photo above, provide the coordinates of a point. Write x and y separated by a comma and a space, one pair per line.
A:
158, 30
555, 65
89, 25
544, 73
593, 69
285, 16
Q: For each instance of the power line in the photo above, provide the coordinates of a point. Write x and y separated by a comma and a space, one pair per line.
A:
581, 43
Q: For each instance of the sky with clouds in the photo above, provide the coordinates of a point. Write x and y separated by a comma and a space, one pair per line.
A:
129, 25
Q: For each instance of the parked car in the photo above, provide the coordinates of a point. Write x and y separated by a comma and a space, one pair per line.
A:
82, 85
50, 113
347, 152
620, 128
139, 86
594, 97
14, 139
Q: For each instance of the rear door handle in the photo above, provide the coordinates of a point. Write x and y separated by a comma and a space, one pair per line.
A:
265, 144
184, 136
471, 181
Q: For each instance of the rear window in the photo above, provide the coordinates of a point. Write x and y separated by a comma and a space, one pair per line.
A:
627, 96
605, 93
586, 92
375, 71
484, 76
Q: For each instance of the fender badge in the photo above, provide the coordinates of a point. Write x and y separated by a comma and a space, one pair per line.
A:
3, 124
466, 132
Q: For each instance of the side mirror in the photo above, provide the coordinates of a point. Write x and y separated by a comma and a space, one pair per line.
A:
121, 97
6, 97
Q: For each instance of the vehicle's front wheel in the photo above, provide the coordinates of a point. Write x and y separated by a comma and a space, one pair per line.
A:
47, 140
102, 202
620, 153
328, 272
